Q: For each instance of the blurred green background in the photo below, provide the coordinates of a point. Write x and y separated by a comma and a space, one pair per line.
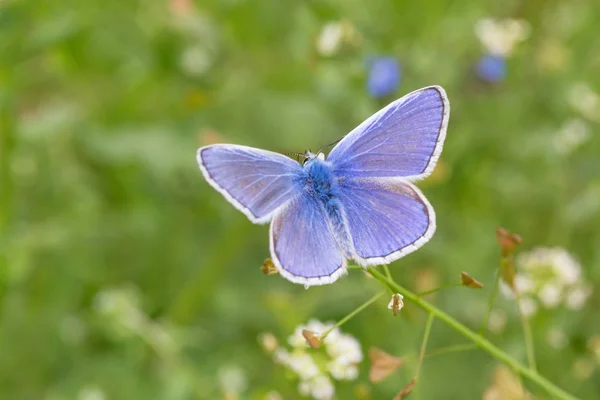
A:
124, 275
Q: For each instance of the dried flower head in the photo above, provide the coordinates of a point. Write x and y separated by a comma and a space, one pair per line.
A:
470, 282
268, 268
508, 241
407, 390
396, 303
313, 340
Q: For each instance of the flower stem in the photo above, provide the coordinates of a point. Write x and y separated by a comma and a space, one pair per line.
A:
490, 305
478, 340
527, 333
451, 349
430, 319
352, 314
430, 291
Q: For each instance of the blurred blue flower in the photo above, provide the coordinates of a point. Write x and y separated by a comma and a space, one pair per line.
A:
491, 68
384, 76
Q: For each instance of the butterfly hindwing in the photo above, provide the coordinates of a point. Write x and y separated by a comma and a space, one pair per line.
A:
387, 218
403, 140
302, 245
257, 182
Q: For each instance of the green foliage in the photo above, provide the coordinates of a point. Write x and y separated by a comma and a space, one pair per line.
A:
103, 105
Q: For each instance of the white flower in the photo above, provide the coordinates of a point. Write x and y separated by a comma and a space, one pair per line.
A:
346, 349
551, 275
320, 388
303, 365
330, 38
281, 356
577, 297
499, 37
550, 295
528, 306
342, 371
523, 284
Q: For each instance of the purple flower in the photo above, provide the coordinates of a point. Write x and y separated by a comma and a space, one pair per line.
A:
384, 76
491, 68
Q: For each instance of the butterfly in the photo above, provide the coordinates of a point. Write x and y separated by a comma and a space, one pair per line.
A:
359, 203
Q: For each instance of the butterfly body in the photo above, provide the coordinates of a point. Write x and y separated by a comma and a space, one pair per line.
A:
323, 185
358, 204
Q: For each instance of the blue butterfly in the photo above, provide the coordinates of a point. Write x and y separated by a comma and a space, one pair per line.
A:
358, 203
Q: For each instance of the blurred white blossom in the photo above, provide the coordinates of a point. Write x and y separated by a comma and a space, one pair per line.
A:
330, 38
584, 100
573, 133
232, 380
499, 36
549, 277
338, 357
334, 34
91, 392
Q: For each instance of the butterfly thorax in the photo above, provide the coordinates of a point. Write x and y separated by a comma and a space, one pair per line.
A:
322, 183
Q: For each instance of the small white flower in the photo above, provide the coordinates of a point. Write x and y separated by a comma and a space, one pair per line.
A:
346, 349
499, 37
578, 296
550, 295
330, 38
322, 388
528, 306
523, 284
303, 365
281, 356
342, 371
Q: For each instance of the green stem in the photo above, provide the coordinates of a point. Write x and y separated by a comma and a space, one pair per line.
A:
490, 305
527, 333
478, 340
352, 314
449, 285
389, 275
451, 349
430, 319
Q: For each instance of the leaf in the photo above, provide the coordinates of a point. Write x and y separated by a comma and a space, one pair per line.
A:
382, 364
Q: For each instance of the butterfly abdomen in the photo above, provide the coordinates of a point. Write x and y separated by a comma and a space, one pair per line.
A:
322, 183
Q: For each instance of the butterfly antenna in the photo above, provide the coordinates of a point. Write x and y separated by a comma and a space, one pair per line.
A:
297, 155
330, 144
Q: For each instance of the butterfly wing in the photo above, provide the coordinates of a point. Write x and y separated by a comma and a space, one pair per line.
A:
387, 218
404, 139
302, 246
257, 182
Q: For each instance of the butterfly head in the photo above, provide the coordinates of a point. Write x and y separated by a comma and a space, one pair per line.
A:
309, 155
